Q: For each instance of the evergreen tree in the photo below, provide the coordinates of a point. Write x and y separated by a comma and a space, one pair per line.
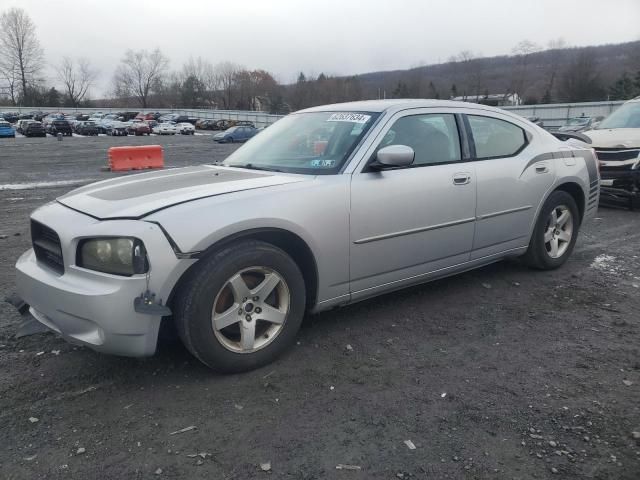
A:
52, 98
623, 89
401, 91
433, 91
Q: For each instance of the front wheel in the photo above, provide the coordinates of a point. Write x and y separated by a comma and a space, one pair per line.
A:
555, 232
241, 307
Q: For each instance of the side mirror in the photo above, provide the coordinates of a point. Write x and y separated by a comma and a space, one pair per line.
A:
393, 156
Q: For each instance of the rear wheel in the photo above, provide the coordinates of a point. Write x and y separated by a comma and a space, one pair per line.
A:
555, 233
241, 307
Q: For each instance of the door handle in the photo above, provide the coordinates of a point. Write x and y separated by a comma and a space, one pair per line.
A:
542, 168
461, 178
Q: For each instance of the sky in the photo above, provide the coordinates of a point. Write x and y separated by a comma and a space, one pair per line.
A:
338, 37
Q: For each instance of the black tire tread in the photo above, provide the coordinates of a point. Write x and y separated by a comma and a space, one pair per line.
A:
535, 256
197, 283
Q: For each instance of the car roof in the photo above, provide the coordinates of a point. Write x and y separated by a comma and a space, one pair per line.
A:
398, 104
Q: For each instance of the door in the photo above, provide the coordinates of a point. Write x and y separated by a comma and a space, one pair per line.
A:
414, 220
510, 186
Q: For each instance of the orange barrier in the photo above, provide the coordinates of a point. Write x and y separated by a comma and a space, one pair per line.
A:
135, 158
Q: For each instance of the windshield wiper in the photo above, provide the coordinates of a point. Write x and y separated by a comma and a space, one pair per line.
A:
251, 166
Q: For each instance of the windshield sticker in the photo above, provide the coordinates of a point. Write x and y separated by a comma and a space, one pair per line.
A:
322, 163
349, 117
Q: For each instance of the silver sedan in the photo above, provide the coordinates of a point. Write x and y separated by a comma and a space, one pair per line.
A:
329, 206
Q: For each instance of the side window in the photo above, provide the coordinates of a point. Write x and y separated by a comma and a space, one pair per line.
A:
434, 137
496, 138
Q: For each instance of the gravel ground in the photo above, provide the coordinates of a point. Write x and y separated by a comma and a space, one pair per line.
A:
502, 372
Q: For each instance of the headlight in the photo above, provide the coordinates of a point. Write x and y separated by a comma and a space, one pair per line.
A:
118, 256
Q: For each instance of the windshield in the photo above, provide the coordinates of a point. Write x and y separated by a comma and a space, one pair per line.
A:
627, 116
314, 143
578, 121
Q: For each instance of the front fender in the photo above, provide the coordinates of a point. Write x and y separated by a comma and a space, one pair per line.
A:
316, 211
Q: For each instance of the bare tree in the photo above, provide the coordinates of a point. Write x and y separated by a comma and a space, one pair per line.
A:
10, 82
206, 76
227, 73
20, 51
556, 53
580, 81
77, 78
469, 71
523, 52
140, 73
464, 61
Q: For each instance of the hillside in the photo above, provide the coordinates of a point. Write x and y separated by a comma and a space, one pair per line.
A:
531, 76
556, 75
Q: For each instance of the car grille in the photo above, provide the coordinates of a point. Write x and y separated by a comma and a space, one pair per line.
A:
47, 247
617, 154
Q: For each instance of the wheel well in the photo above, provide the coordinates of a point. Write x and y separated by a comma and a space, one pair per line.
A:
287, 241
576, 192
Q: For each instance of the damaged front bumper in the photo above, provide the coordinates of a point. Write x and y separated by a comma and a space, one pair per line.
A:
95, 309
620, 177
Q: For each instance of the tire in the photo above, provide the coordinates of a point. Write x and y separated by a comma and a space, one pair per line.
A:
209, 287
542, 254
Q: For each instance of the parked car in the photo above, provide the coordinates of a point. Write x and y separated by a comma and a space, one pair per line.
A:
139, 128
104, 123
616, 141
241, 123
116, 128
25, 116
168, 117
165, 129
59, 126
186, 119
580, 124
152, 124
213, 124
222, 124
11, 117
6, 130
185, 128
203, 124
46, 121
86, 128
536, 121
34, 129
38, 115
20, 124
126, 116
235, 135
147, 116
303, 226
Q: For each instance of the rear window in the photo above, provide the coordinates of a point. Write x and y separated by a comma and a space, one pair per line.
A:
495, 138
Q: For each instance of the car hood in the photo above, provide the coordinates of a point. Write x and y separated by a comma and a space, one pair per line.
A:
614, 137
135, 196
571, 128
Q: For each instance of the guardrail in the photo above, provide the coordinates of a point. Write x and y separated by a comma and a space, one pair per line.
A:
553, 115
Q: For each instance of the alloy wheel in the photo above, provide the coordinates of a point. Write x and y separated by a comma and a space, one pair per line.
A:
250, 310
558, 231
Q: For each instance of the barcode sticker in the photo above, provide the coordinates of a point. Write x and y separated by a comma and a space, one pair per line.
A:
349, 117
